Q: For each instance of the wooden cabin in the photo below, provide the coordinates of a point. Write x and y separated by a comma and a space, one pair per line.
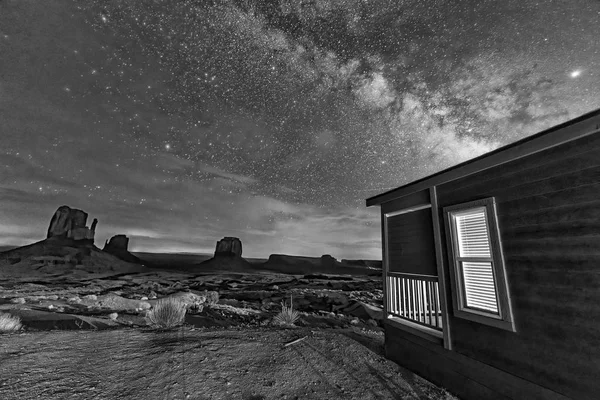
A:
492, 270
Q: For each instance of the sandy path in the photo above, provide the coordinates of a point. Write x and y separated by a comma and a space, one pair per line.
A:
184, 364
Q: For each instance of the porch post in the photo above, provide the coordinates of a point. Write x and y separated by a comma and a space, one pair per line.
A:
439, 258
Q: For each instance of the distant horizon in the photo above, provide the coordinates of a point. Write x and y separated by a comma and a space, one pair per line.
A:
6, 247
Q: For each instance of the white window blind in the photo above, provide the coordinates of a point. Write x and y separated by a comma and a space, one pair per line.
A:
475, 258
473, 236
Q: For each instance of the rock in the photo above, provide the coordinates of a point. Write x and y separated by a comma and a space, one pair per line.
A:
190, 300
364, 311
327, 260
66, 219
18, 300
90, 297
117, 243
144, 298
80, 234
93, 227
355, 321
118, 247
229, 246
113, 316
115, 303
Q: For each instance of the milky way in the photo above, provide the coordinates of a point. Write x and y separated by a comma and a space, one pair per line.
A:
180, 122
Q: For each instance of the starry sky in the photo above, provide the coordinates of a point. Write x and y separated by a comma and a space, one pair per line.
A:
180, 122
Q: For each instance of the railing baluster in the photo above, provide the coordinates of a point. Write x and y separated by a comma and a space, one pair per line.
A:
401, 297
414, 297
392, 294
397, 294
410, 303
430, 300
389, 294
423, 287
419, 299
421, 302
437, 305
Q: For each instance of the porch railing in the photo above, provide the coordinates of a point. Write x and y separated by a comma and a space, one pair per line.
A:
415, 298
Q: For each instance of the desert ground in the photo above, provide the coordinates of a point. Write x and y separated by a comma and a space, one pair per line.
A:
189, 363
85, 332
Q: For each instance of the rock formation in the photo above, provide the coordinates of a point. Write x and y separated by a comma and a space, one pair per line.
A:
70, 223
327, 260
229, 246
117, 243
118, 247
227, 257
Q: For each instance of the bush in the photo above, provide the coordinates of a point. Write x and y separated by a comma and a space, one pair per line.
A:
212, 297
166, 313
9, 323
287, 316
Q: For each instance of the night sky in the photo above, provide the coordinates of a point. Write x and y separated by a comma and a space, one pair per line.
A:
180, 122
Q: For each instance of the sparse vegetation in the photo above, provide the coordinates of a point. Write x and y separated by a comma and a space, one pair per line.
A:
9, 323
167, 313
287, 316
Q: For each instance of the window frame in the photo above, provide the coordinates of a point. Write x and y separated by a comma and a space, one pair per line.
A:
504, 318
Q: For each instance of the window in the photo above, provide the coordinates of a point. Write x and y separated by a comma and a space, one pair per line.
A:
479, 284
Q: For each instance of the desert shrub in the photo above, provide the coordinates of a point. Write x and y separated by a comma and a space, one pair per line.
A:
212, 297
287, 315
166, 313
9, 323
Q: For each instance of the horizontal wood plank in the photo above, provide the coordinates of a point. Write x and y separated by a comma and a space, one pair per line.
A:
453, 371
503, 193
575, 156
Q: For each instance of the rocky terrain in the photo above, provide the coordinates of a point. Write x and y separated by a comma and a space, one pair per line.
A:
66, 282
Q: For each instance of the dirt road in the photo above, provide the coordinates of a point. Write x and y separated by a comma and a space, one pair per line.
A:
203, 364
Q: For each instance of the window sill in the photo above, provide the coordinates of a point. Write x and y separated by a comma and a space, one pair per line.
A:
486, 320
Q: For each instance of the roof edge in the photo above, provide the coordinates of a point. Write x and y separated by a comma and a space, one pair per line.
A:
573, 129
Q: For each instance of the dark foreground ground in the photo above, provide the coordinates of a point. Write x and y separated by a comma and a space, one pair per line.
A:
204, 364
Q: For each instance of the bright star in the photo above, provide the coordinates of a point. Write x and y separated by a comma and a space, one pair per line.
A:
575, 73
168, 146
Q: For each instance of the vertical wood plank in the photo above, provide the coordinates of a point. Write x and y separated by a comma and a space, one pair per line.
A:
443, 296
384, 263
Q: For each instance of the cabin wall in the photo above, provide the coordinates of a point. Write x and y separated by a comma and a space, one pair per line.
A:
461, 375
548, 208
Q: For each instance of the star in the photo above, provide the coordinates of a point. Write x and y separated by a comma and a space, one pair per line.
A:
575, 73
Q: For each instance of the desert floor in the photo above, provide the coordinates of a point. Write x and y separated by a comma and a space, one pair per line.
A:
191, 363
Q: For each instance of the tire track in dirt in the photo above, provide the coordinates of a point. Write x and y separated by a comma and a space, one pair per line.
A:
184, 364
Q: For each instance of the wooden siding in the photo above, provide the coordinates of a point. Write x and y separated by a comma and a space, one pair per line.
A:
463, 376
549, 219
411, 248
415, 199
